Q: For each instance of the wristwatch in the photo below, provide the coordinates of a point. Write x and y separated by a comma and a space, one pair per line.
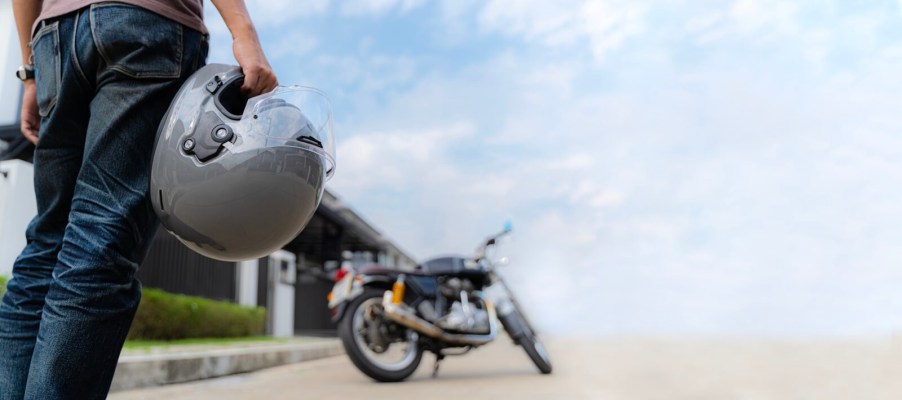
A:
25, 72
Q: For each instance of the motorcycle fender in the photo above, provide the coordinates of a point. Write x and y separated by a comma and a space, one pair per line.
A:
376, 281
339, 312
513, 325
355, 292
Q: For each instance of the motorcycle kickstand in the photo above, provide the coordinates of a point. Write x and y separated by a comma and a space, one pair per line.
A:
438, 359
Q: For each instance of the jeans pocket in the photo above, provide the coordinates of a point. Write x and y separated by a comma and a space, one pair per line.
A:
137, 42
46, 50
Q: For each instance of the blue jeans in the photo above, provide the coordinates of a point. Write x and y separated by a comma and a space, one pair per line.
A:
105, 76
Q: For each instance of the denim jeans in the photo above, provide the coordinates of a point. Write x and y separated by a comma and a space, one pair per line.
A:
105, 76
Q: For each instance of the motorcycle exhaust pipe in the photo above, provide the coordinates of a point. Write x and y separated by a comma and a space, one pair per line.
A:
401, 314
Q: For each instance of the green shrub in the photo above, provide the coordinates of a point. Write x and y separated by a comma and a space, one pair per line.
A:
166, 316
2, 286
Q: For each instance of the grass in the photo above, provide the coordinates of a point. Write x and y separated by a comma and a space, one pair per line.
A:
147, 344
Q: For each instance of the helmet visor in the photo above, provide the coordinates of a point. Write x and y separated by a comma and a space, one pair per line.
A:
292, 116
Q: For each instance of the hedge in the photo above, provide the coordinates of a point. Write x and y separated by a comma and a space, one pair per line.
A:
166, 316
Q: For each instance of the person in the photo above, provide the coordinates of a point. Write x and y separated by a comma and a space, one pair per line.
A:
103, 76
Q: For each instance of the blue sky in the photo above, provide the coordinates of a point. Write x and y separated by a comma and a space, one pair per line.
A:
670, 167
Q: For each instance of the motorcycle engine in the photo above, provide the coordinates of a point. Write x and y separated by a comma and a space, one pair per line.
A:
457, 308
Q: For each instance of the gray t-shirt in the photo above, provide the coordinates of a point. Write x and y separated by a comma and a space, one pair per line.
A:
186, 12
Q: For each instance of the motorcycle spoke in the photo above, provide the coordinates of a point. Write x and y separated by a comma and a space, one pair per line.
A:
399, 347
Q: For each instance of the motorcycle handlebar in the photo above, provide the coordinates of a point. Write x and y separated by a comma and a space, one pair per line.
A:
491, 241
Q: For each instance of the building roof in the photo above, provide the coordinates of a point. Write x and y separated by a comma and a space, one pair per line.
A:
336, 227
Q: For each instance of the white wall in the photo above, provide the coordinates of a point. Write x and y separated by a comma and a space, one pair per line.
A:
17, 208
280, 305
248, 273
17, 205
10, 59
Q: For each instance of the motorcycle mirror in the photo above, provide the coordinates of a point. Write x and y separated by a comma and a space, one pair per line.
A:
490, 242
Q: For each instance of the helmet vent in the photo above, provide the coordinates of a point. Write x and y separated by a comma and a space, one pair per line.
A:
162, 207
230, 101
310, 140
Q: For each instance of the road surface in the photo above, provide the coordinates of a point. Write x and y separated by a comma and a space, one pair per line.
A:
593, 369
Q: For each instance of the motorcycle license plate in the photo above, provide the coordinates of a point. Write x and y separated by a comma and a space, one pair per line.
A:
341, 290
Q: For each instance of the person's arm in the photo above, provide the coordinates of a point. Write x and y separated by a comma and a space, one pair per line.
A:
26, 12
258, 75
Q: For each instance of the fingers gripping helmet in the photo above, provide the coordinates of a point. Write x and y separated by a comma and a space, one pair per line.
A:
236, 178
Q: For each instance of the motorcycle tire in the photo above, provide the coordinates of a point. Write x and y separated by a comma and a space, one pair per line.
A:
528, 340
358, 355
536, 352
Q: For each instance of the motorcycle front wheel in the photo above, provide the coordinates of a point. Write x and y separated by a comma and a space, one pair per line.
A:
527, 338
381, 349
536, 352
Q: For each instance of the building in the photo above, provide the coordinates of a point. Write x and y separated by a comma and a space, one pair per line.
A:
291, 283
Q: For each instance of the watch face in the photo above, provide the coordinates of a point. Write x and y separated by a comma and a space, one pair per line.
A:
24, 73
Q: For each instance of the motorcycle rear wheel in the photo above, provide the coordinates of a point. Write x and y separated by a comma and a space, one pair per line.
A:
355, 325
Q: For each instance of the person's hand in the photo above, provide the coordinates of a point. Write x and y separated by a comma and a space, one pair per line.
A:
31, 119
258, 75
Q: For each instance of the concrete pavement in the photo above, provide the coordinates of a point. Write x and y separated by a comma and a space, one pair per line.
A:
587, 368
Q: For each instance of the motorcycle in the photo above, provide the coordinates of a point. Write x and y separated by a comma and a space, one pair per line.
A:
388, 318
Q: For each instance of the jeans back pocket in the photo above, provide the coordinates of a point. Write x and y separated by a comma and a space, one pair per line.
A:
137, 42
46, 50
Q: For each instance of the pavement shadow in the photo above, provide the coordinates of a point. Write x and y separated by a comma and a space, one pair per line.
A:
447, 376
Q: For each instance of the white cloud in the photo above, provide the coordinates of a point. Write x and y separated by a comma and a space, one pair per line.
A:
293, 43
372, 73
606, 199
277, 12
534, 20
399, 159
609, 25
732, 170
605, 23
756, 16
377, 7
573, 162
724, 189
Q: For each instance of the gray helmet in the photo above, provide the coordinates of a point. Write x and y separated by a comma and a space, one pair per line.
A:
236, 178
